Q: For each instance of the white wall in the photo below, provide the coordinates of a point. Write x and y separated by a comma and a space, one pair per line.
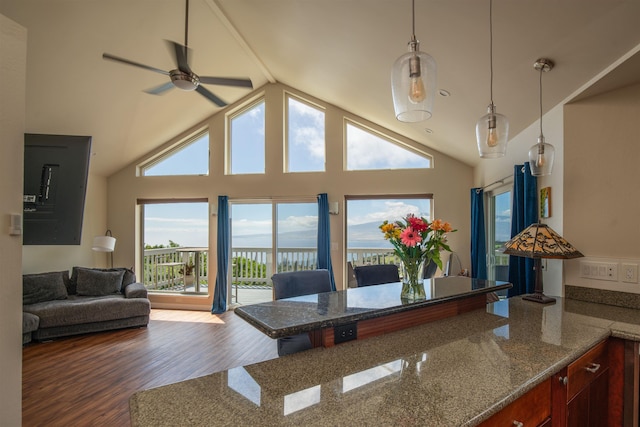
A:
491, 170
449, 181
13, 51
602, 200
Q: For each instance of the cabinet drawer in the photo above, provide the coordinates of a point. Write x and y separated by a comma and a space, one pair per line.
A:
531, 409
584, 370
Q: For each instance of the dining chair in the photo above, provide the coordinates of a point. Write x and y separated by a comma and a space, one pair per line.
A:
294, 284
377, 274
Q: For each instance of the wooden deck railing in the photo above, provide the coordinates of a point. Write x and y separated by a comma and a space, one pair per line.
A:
250, 266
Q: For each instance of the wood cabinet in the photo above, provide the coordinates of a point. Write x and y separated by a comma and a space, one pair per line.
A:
588, 392
532, 409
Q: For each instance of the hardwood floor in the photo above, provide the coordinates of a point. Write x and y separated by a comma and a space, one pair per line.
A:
88, 380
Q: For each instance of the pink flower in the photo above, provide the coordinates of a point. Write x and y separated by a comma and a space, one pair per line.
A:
410, 237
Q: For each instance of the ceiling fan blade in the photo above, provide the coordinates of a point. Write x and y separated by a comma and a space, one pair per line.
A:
180, 53
210, 96
135, 64
159, 90
226, 81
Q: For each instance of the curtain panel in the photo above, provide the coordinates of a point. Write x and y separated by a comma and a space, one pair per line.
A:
524, 212
324, 237
478, 235
220, 292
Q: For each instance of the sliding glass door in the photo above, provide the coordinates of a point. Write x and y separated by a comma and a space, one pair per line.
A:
269, 237
498, 232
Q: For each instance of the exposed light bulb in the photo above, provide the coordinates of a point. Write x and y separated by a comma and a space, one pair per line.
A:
492, 133
417, 93
540, 159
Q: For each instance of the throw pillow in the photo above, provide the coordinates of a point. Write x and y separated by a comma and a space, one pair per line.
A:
128, 278
98, 283
43, 287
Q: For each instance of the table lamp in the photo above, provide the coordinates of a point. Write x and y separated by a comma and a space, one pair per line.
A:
540, 241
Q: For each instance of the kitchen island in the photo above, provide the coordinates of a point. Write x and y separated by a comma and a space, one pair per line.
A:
457, 371
358, 313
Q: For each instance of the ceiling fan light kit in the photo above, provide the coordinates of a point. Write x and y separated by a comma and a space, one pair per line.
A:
492, 129
182, 77
413, 81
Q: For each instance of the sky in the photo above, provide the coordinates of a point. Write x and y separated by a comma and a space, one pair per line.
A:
187, 223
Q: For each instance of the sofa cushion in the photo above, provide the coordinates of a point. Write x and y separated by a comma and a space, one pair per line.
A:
128, 277
77, 310
97, 283
43, 287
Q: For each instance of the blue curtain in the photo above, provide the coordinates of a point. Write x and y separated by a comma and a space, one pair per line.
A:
220, 292
524, 212
478, 239
324, 237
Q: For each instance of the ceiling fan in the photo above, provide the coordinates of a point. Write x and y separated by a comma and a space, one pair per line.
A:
182, 77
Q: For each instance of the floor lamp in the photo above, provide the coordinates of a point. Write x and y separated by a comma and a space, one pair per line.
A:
106, 243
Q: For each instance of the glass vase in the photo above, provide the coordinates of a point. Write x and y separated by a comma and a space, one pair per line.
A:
412, 280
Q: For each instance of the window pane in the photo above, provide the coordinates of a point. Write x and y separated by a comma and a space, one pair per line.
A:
247, 141
305, 143
365, 241
191, 159
297, 236
501, 234
168, 227
366, 151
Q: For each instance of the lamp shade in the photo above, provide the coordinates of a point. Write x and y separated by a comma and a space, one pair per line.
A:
541, 158
413, 84
540, 241
104, 244
492, 132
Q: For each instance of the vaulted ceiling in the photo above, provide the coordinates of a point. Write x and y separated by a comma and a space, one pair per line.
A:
340, 51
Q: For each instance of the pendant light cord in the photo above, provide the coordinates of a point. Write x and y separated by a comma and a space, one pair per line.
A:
413, 19
491, 50
541, 71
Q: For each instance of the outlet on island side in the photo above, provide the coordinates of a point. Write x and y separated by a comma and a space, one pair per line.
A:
344, 333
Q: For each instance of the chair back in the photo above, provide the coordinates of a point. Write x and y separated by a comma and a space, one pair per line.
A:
376, 274
297, 283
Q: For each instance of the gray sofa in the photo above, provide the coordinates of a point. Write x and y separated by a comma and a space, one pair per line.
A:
91, 300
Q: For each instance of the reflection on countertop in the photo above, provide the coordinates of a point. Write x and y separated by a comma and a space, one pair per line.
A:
452, 372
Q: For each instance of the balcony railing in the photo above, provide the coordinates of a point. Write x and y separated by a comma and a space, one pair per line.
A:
163, 268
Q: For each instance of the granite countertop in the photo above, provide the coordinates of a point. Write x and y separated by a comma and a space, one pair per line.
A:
291, 316
453, 372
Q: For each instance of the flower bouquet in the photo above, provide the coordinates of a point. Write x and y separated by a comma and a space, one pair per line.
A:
416, 241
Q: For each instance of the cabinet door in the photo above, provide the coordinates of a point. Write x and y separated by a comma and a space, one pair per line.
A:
589, 407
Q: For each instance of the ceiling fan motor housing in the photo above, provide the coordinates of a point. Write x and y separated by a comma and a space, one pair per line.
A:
184, 81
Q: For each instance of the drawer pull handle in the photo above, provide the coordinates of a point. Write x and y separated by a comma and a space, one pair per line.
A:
518, 424
593, 367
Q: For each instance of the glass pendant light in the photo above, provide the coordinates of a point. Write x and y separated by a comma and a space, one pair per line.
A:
541, 155
492, 129
413, 81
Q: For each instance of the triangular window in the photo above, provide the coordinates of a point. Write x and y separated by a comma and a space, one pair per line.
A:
190, 157
369, 150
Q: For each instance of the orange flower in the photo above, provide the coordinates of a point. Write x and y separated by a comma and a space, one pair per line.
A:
437, 224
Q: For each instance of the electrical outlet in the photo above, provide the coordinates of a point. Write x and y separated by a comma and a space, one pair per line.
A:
344, 333
629, 273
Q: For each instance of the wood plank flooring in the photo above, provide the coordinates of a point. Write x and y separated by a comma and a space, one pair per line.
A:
88, 380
